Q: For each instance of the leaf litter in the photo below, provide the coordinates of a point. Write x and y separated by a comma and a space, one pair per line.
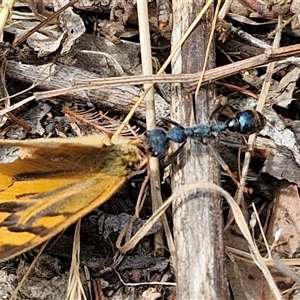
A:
275, 164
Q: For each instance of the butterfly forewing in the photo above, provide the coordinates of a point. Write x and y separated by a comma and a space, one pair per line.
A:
48, 189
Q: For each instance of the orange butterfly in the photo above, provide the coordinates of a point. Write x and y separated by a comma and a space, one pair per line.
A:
48, 184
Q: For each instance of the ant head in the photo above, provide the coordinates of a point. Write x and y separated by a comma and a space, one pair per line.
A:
246, 122
156, 141
233, 124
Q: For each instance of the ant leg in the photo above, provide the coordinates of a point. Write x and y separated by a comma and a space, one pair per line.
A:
223, 164
169, 121
169, 159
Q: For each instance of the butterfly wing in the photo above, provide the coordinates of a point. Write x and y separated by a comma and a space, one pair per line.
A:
45, 189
